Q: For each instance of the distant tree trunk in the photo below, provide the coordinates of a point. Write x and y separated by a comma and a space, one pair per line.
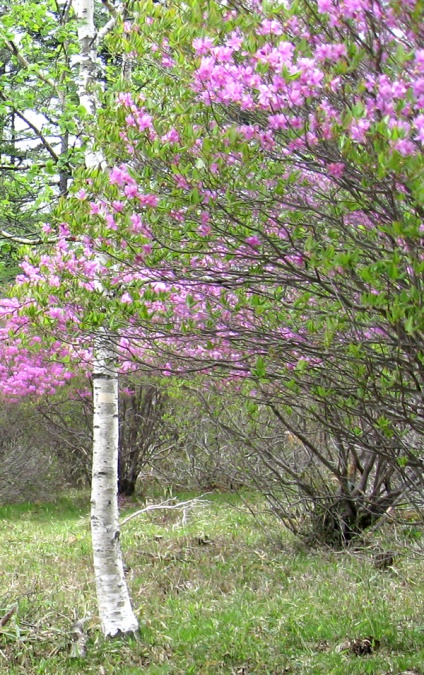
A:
142, 437
126, 484
114, 604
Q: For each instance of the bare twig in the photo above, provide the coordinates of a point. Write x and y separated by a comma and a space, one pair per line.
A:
35, 129
167, 505
387, 514
26, 241
6, 618
14, 49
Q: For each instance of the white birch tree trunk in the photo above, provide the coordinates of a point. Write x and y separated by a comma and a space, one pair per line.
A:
113, 599
115, 611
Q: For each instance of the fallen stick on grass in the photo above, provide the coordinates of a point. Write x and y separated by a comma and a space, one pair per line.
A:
166, 505
8, 616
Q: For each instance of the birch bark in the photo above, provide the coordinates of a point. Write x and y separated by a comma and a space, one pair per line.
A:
115, 611
113, 599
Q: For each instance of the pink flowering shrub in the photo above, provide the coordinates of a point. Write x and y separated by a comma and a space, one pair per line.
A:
262, 221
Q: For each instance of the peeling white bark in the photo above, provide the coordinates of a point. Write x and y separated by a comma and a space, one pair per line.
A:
115, 611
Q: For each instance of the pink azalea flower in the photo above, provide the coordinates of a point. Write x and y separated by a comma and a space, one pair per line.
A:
336, 169
202, 45
117, 176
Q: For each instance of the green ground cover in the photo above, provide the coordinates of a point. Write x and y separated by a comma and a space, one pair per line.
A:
217, 594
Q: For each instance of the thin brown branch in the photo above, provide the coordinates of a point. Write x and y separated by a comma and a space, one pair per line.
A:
6, 618
14, 49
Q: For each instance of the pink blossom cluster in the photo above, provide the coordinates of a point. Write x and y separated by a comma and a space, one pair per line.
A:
190, 285
27, 368
281, 81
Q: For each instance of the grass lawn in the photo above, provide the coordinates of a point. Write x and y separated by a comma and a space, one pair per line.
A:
219, 594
